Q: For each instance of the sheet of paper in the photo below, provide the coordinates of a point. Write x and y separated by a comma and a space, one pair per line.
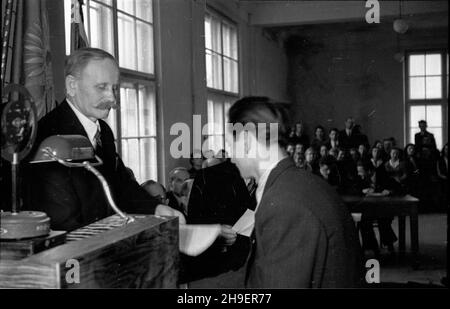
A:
245, 224
196, 238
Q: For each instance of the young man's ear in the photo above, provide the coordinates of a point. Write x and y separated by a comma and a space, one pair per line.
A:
71, 85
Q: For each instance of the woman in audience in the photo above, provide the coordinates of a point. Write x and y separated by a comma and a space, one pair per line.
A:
300, 148
323, 151
333, 152
290, 149
328, 172
395, 171
364, 153
311, 161
319, 138
333, 139
368, 183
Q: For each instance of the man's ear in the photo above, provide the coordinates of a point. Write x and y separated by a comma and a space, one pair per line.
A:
71, 85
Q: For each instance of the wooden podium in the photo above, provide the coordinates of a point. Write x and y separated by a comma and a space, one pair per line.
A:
105, 254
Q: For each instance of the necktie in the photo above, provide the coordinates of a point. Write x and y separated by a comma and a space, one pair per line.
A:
97, 139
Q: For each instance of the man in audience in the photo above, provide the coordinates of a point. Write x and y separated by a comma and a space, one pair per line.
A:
299, 136
303, 234
196, 162
156, 190
424, 138
73, 197
348, 138
177, 176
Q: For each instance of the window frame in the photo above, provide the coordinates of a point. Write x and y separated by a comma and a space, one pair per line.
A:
222, 96
442, 102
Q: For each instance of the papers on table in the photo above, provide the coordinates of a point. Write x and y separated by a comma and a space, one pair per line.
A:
196, 238
245, 224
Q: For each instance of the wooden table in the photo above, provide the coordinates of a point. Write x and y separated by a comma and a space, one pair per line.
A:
374, 207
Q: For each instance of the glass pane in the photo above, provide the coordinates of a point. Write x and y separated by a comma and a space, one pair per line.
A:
229, 41
101, 27
433, 64
213, 70
126, 6
416, 113
226, 107
147, 111
149, 165
210, 109
145, 47
412, 133
130, 155
230, 75
218, 118
434, 116
111, 121
209, 73
416, 65
67, 17
437, 132
128, 112
127, 42
208, 38
216, 40
434, 89
416, 88
144, 10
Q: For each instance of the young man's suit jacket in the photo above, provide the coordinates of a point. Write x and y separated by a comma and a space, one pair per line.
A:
304, 236
74, 197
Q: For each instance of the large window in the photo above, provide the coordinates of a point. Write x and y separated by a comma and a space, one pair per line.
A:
222, 73
125, 29
427, 94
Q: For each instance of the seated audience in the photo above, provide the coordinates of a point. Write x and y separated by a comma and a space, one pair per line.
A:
364, 153
387, 146
299, 159
328, 171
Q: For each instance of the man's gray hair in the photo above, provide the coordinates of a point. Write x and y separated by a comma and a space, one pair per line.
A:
78, 60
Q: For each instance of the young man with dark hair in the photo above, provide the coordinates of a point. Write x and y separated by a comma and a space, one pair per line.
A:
303, 235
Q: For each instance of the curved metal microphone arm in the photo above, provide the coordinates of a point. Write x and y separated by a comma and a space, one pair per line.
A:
90, 167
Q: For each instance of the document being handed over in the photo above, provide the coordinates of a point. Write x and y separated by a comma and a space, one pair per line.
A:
245, 224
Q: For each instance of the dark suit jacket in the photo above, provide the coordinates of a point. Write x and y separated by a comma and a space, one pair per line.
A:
219, 195
304, 236
349, 141
74, 197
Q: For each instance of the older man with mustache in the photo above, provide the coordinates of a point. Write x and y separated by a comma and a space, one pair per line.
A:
74, 197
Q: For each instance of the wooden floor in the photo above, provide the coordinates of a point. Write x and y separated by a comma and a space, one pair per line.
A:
432, 257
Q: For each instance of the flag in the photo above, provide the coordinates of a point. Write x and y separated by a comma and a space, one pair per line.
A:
78, 38
36, 72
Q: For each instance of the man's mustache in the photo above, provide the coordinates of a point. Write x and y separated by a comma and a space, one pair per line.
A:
108, 105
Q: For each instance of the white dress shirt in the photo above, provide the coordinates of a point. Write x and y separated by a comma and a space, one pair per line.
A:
89, 126
262, 182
